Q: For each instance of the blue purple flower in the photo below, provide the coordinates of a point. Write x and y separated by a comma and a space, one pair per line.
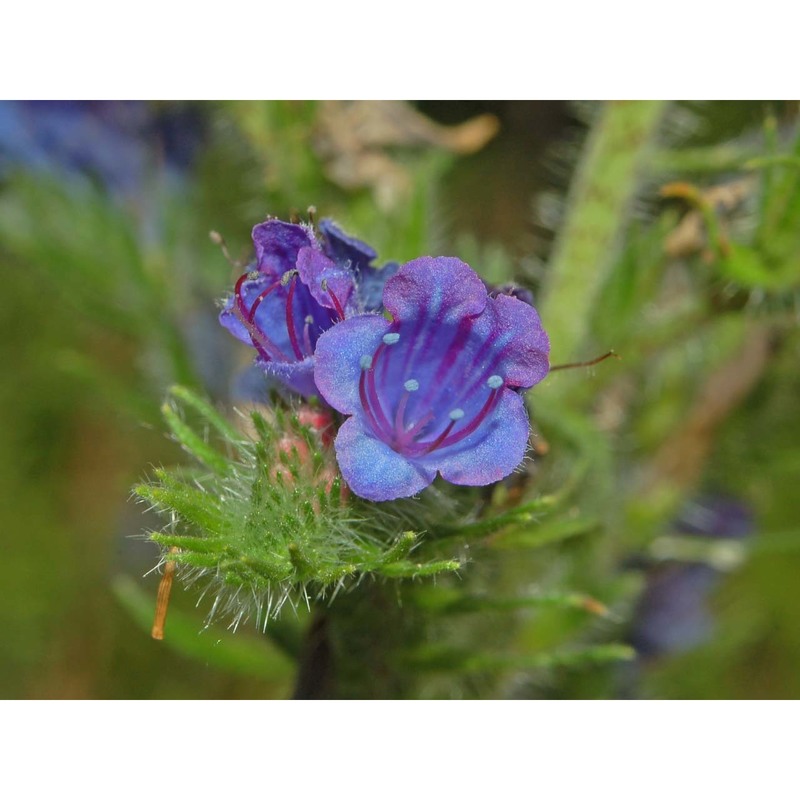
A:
298, 288
114, 143
672, 614
436, 388
357, 257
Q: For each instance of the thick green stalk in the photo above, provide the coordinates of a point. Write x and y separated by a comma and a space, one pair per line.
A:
608, 175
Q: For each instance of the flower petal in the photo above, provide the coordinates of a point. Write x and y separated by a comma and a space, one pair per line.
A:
345, 249
270, 316
444, 289
230, 321
316, 269
490, 454
296, 375
526, 357
370, 282
372, 469
253, 385
277, 245
251, 289
338, 359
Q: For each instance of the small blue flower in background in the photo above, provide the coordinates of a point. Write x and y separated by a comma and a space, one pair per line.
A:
298, 289
672, 614
437, 387
116, 143
717, 517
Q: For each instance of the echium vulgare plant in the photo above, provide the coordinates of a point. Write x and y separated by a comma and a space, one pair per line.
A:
400, 374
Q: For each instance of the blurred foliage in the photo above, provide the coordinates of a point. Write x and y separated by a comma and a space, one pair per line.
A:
671, 234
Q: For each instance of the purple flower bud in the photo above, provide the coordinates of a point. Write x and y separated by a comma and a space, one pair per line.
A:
436, 388
298, 288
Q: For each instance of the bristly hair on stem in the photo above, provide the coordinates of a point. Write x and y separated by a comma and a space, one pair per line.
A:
262, 518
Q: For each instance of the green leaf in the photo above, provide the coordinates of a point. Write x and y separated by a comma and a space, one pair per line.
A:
447, 659
443, 602
193, 443
401, 547
545, 534
407, 569
207, 412
516, 516
745, 266
190, 503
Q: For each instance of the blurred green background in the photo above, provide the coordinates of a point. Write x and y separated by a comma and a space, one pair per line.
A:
669, 232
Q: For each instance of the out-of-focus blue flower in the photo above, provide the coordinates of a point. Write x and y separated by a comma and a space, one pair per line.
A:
116, 143
672, 613
437, 387
716, 517
298, 288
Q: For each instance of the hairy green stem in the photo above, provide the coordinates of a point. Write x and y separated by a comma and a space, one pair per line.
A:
608, 175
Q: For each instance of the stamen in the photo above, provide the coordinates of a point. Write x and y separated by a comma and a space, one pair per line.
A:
365, 404
455, 415
473, 426
265, 347
290, 316
368, 392
415, 429
336, 303
445, 440
307, 334
260, 299
373, 393
494, 382
218, 240
428, 448
253, 275
410, 386
480, 373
